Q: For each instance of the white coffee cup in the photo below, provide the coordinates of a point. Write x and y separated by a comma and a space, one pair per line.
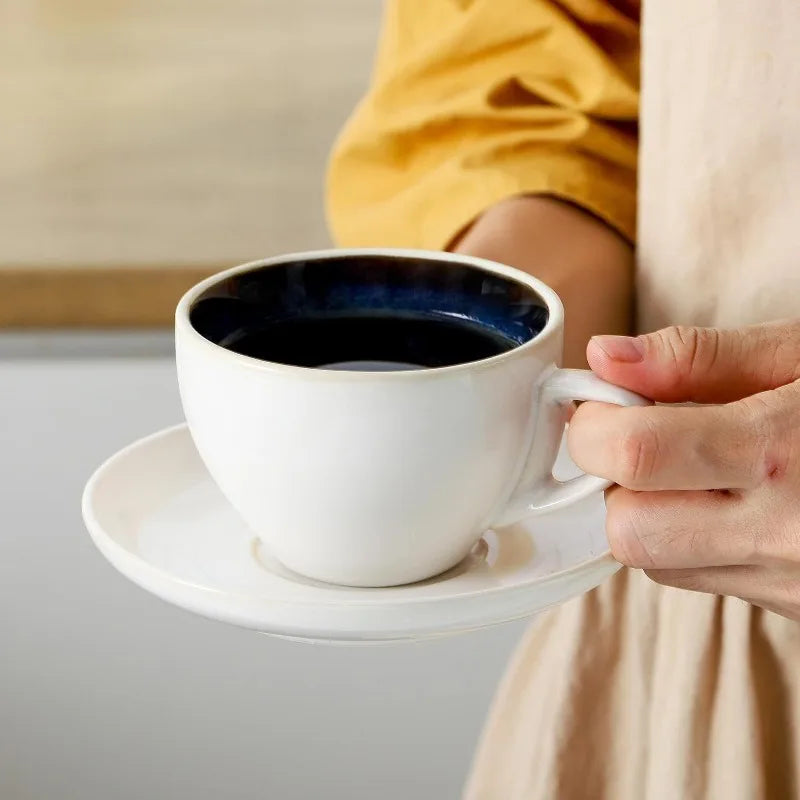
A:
378, 478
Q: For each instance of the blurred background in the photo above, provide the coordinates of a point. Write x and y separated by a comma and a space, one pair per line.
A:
144, 145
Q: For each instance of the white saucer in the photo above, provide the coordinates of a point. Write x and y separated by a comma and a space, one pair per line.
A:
157, 516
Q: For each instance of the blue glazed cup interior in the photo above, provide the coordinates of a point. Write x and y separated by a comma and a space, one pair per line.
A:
369, 312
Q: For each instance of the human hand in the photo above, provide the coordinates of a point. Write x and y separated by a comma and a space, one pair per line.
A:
708, 496
586, 262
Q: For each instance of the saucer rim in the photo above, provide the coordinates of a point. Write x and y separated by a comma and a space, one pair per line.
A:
368, 620
103, 539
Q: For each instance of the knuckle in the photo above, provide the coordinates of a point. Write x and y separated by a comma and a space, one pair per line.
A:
639, 454
769, 443
689, 349
623, 532
780, 343
707, 350
702, 347
685, 345
674, 342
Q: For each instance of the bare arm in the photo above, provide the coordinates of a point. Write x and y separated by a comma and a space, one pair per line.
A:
588, 264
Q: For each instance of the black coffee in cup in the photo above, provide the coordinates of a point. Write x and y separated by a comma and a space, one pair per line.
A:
369, 312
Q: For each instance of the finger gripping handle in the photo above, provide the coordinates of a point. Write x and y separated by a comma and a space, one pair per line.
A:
542, 491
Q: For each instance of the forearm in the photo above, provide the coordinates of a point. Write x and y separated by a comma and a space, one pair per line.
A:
587, 263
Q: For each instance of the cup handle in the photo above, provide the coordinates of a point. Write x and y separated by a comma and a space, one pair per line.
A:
542, 491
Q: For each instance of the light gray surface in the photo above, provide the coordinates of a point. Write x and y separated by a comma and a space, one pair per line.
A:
85, 344
109, 694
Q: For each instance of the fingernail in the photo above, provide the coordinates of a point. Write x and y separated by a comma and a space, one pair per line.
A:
626, 349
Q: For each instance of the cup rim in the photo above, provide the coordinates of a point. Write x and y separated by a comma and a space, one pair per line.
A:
184, 327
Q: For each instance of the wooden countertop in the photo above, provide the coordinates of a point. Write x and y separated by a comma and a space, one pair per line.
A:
146, 145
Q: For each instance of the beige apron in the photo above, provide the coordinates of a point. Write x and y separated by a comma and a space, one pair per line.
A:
634, 691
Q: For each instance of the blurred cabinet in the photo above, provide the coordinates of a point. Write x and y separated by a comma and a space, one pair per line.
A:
170, 133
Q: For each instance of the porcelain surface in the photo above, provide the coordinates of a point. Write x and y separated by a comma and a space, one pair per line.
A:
374, 478
155, 513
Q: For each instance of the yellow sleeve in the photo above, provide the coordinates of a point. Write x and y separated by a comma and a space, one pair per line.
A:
473, 101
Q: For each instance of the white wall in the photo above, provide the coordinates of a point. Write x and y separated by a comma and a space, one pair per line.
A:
109, 694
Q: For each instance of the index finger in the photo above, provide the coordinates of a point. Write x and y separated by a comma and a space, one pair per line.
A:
670, 447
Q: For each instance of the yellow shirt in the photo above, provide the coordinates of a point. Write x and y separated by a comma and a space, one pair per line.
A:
473, 101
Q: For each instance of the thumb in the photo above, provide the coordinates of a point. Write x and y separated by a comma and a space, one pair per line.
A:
701, 365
